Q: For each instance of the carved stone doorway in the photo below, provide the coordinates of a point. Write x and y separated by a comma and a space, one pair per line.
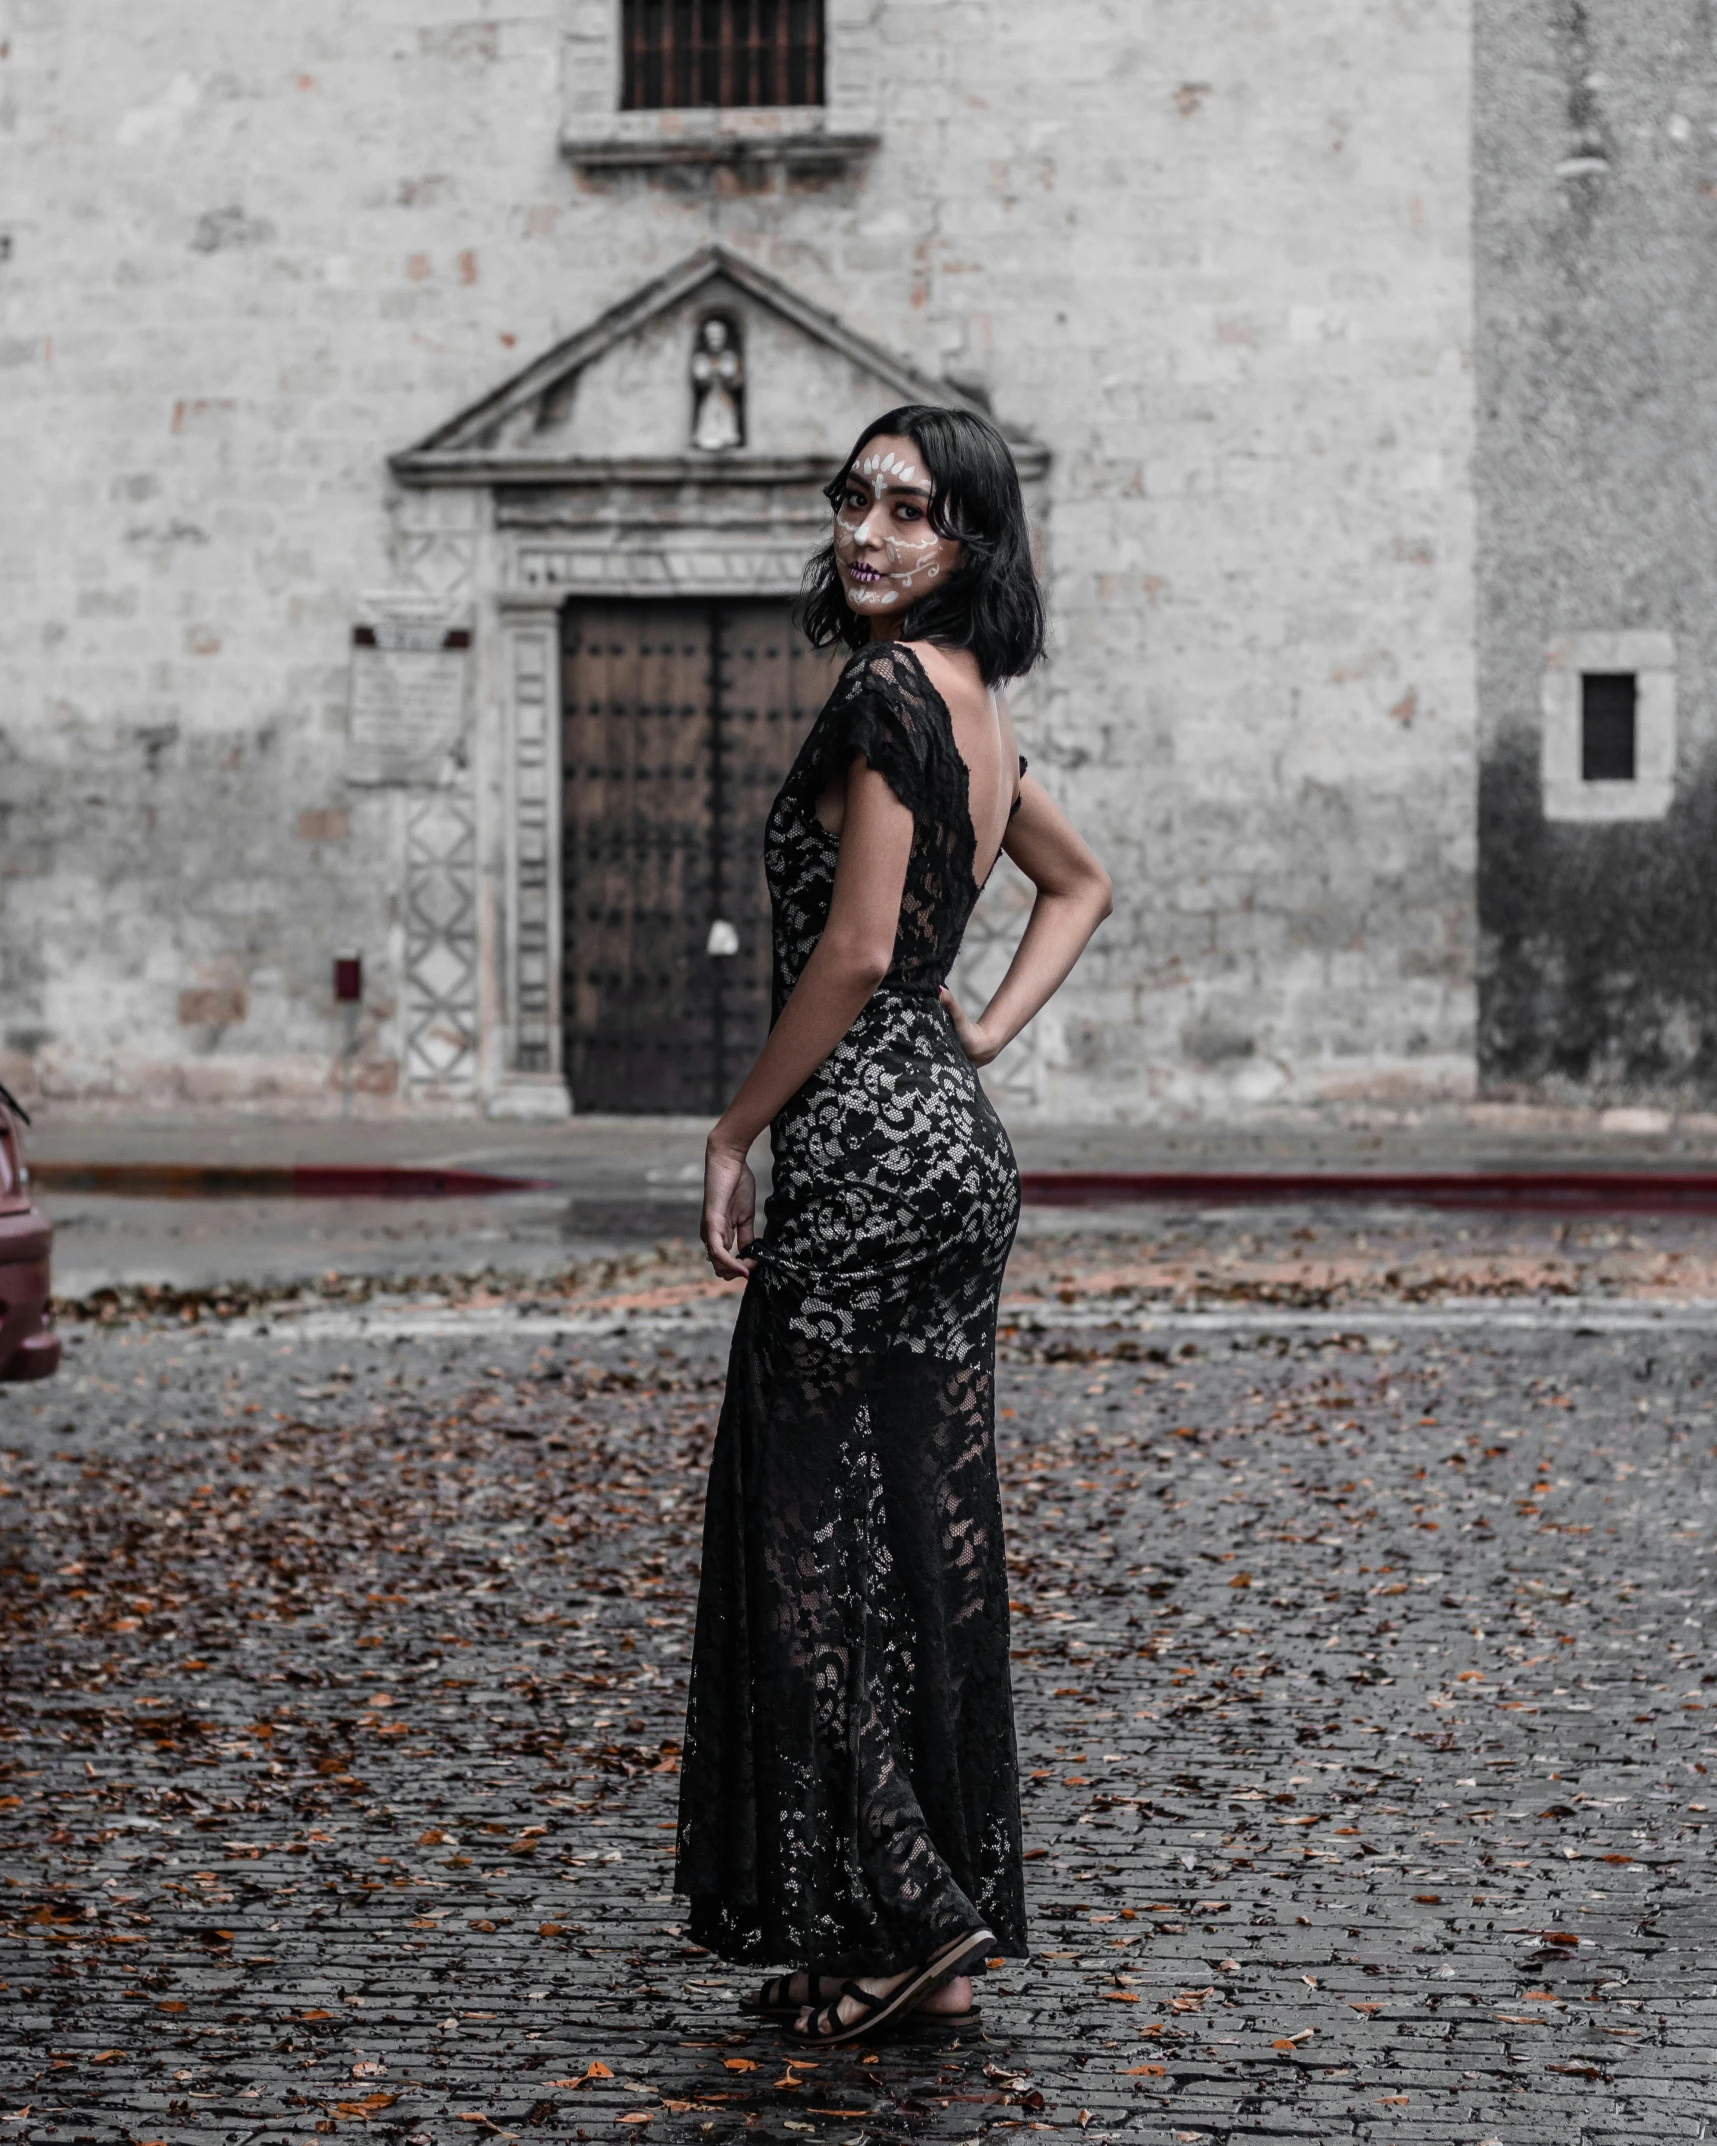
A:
560, 919
679, 720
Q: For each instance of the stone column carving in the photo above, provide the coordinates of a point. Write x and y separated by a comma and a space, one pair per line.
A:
439, 1000
531, 1082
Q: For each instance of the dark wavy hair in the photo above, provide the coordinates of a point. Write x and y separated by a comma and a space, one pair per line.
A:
991, 604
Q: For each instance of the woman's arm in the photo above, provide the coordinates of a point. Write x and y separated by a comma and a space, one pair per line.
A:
1073, 898
847, 964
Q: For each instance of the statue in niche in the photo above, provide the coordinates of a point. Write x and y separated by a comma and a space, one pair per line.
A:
718, 382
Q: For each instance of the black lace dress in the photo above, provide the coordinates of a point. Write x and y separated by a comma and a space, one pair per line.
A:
850, 1796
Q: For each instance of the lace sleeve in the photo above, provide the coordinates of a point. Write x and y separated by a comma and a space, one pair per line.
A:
878, 710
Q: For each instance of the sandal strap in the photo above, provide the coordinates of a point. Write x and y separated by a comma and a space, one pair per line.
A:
776, 1995
826, 2019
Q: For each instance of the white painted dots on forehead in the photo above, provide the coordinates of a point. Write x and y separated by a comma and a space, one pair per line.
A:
884, 470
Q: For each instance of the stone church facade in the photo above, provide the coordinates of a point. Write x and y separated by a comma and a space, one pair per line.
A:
414, 421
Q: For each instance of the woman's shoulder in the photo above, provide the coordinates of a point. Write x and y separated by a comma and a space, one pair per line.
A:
879, 710
881, 663
889, 675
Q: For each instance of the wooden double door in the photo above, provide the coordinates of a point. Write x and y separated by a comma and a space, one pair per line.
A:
680, 720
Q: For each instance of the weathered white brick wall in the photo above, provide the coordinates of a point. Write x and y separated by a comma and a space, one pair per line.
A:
1264, 695
1216, 258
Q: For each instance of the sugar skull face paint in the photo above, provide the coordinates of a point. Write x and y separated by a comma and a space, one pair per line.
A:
886, 551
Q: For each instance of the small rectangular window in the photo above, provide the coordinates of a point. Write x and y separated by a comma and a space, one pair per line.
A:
680, 54
1609, 708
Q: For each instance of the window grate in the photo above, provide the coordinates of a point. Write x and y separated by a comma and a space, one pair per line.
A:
683, 53
1609, 724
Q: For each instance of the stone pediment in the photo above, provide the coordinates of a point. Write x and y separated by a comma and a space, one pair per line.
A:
653, 391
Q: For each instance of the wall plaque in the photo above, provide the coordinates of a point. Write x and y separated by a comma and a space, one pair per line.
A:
407, 709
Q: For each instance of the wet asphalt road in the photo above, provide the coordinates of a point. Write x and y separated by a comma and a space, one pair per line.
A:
1364, 1701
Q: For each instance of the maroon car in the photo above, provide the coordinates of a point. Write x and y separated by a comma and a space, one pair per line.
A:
29, 1349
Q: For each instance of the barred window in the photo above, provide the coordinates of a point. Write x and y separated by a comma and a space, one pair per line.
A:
680, 53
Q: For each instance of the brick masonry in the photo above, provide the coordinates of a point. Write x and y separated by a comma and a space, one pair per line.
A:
1219, 264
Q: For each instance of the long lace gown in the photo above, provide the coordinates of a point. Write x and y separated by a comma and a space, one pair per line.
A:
850, 1795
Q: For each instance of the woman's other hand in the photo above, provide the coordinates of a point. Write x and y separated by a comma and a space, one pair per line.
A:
973, 1038
729, 1210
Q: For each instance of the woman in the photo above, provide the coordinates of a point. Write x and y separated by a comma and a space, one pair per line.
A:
849, 1800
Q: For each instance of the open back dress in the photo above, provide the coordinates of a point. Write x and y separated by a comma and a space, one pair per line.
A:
850, 1793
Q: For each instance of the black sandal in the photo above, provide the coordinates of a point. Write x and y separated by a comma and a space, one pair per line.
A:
827, 2028
773, 2002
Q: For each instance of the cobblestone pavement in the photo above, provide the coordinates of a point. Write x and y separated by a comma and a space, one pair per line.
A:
1363, 1700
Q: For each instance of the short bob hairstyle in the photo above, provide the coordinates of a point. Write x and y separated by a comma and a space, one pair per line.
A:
992, 605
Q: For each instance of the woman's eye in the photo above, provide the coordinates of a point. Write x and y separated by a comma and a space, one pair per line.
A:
910, 514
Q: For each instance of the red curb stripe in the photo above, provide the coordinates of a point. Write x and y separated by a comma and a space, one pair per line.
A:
301, 1181
1548, 1191
385, 1182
